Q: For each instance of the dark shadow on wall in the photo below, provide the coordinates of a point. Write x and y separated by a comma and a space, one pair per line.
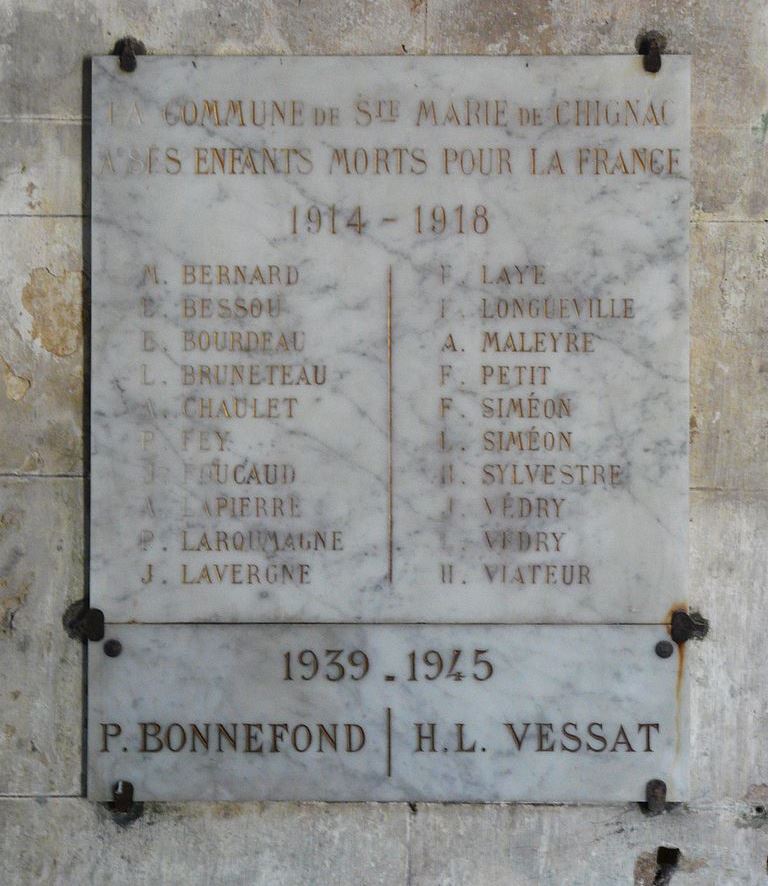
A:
85, 178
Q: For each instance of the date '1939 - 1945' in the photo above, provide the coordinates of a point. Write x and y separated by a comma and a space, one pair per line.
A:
339, 664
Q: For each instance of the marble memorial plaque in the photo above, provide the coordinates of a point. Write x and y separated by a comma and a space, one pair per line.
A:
389, 371
387, 712
389, 339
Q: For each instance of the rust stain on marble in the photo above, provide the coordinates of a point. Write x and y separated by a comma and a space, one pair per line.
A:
54, 301
680, 676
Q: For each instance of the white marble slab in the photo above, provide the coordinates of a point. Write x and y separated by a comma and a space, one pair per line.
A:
428, 489
568, 679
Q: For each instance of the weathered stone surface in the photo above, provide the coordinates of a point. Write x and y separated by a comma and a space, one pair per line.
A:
729, 365
730, 92
729, 282
530, 846
736, 188
72, 841
41, 346
40, 167
729, 86
728, 673
43, 44
41, 573
566, 26
727, 441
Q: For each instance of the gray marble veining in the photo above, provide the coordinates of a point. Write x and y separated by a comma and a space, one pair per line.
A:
379, 370
396, 341
386, 712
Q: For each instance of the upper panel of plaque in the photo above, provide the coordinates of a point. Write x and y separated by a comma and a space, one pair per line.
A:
389, 339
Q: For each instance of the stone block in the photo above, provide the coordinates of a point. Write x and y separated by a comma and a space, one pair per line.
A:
41, 345
587, 846
729, 367
41, 167
274, 844
41, 574
728, 674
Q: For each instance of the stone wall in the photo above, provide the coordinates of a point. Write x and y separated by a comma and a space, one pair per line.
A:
48, 834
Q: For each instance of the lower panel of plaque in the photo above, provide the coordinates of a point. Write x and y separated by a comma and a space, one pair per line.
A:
386, 712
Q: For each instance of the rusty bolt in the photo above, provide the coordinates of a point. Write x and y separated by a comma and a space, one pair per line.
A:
686, 625
127, 49
664, 649
83, 623
656, 796
122, 796
650, 45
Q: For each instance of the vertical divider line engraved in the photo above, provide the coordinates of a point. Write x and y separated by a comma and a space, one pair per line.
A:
390, 431
389, 742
